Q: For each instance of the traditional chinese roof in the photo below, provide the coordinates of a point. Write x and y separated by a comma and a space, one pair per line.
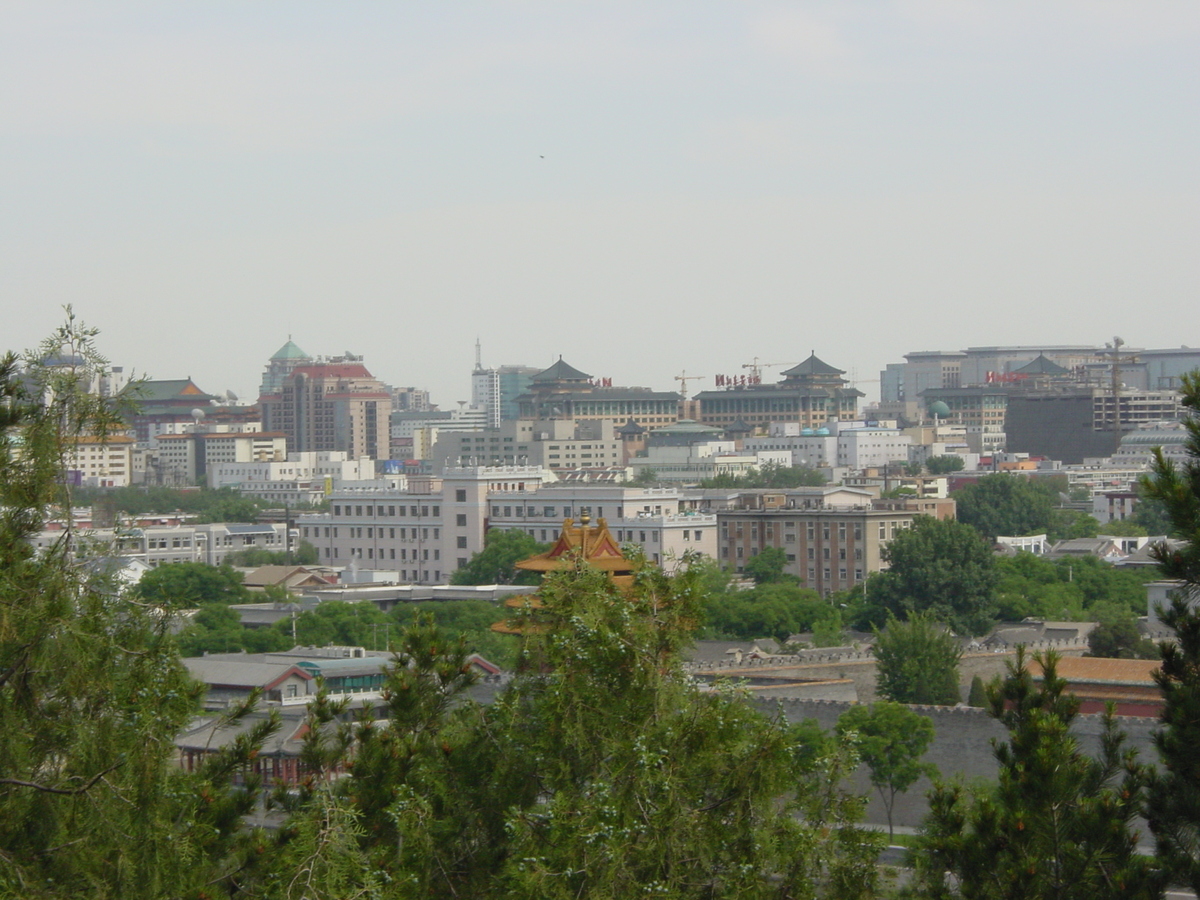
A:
560, 371
631, 428
739, 427
177, 389
812, 366
595, 544
290, 351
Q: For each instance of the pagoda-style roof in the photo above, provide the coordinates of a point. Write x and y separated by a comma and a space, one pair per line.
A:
156, 396
594, 544
290, 351
739, 427
560, 371
1042, 366
631, 428
812, 366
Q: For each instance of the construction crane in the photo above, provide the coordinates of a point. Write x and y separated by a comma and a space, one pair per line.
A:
1117, 359
756, 367
683, 378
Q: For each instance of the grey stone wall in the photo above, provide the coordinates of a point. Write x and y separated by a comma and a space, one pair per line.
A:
962, 747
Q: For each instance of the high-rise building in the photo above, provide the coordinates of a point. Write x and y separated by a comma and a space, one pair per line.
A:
496, 389
328, 404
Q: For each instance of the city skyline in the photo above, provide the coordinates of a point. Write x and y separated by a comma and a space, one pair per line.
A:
641, 189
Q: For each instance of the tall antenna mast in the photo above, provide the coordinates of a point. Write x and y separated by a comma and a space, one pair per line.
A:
478, 354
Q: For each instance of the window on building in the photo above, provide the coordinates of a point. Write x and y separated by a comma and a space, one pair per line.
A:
460, 496
461, 542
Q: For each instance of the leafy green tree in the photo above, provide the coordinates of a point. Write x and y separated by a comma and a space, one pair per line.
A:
1068, 524
775, 609
944, 465
1058, 823
303, 554
941, 567
1122, 528
191, 584
215, 628
1116, 635
770, 475
767, 565
496, 562
603, 772
917, 662
92, 694
1173, 809
891, 739
1003, 504
348, 624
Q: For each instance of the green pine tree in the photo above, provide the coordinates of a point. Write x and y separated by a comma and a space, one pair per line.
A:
1058, 823
1174, 802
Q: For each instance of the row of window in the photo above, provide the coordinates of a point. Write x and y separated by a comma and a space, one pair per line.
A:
372, 510
356, 531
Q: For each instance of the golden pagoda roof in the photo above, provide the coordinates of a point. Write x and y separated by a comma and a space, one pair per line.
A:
594, 544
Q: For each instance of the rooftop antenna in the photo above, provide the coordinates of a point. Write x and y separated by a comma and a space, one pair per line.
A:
478, 354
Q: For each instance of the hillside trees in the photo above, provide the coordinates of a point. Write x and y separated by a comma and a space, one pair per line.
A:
91, 690
1058, 823
1174, 803
602, 772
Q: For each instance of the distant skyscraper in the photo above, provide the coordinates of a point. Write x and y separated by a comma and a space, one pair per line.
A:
496, 389
326, 404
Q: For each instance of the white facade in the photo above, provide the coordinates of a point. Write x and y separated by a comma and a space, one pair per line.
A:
427, 532
102, 462
306, 466
156, 545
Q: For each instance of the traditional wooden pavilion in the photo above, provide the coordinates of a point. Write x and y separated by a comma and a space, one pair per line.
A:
593, 544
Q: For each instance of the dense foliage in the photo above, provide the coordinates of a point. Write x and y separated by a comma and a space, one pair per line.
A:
917, 661
206, 504
92, 693
939, 567
770, 475
496, 562
1174, 807
1003, 504
1058, 823
603, 772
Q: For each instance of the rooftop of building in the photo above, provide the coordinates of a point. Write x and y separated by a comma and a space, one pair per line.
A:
290, 351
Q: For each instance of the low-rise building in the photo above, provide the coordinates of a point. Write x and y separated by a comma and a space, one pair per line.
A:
101, 461
828, 549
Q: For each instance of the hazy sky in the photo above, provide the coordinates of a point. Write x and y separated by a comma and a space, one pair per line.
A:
642, 187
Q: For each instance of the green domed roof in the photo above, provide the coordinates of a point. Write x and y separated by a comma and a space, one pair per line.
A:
939, 408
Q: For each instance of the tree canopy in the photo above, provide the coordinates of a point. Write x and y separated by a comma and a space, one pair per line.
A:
190, 584
1002, 504
917, 662
92, 693
940, 567
1174, 802
1058, 823
891, 739
496, 562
